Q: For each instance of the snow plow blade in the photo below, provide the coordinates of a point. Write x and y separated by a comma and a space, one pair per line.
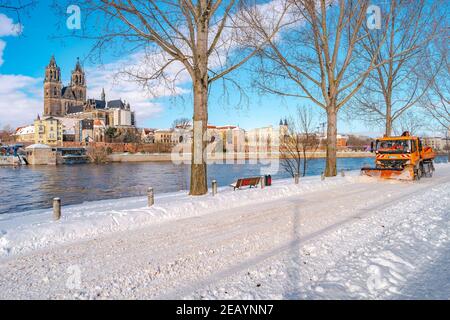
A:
396, 174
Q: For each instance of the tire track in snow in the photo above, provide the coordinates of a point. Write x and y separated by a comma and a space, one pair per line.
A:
280, 250
212, 232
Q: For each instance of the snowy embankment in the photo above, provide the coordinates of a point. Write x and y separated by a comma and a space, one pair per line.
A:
35, 229
352, 237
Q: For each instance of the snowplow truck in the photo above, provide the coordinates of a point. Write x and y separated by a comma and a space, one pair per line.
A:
401, 158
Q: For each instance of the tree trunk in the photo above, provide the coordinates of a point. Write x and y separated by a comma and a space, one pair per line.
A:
304, 162
199, 184
330, 169
388, 131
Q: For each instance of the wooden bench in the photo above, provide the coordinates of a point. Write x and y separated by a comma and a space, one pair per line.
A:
246, 182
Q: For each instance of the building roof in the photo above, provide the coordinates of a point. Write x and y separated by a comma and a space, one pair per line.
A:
52, 61
25, 130
100, 104
226, 127
67, 93
164, 130
75, 109
97, 104
78, 66
148, 131
48, 118
38, 146
116, 104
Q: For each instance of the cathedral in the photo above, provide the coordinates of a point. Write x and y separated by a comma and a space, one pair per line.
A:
83, 119
58, 99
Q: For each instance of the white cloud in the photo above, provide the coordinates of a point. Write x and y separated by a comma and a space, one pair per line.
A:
117, 85
22, 96
8, 27
20, 99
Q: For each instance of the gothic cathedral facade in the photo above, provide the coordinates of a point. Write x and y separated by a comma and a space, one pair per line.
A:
57, 99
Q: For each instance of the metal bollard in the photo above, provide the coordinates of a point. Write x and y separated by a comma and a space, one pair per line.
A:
263, 182
214, 187
322, 176
56, 209
151, 197
296, 178
342, 173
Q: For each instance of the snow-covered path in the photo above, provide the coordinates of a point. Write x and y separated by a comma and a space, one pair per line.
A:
356, 238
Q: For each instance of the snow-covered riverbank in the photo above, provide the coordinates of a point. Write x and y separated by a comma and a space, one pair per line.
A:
351, 237
22, 232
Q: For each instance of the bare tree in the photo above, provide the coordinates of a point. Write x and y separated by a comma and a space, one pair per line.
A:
7, 134
204, 40
8, 129
395, 86
182, 123
18, 7
436, 103
299, 143
97, 155
316, 60
437, 100
411, 121
358, 143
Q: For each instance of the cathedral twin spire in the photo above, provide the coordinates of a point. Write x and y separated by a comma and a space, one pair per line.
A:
56, 97
78, 78
53, 73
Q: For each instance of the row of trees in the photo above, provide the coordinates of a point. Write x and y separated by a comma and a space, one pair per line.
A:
321, 50
328, 52
6, 135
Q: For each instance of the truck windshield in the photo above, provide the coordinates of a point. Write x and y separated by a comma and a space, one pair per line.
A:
394, 146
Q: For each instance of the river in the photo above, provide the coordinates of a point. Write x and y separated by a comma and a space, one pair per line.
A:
33, 187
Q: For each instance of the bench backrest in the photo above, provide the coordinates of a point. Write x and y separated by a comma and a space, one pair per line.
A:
248, 182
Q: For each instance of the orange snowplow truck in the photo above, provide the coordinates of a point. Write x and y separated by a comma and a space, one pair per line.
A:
401, 158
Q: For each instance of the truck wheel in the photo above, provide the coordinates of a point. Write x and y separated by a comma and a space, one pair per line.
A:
417, 174
429, 171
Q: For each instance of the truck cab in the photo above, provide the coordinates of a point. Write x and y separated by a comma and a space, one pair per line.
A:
402, 156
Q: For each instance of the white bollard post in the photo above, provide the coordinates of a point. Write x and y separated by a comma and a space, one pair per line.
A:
151, 197
263, 182
56, 209
296, 178
214, 187
342, 173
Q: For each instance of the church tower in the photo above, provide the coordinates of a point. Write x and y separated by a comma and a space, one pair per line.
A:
78, 83
52, 89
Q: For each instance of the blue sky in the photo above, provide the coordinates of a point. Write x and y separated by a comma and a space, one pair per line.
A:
23, 58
